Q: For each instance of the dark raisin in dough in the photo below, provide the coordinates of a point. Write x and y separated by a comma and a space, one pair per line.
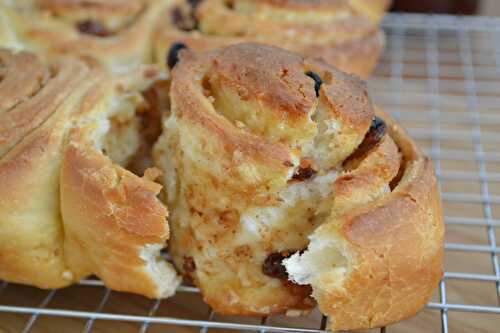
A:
375, 134
173, 54
229, 4
184, 22
273, 266
304, 173
188, 264
194, 3
91, 27
177, 17
317, 81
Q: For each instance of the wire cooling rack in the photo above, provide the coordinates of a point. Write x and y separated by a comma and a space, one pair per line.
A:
440, 76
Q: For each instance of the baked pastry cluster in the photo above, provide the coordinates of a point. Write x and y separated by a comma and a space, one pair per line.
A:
344, 33
287, 187
68, 207
284, 186
125, 33
117, 32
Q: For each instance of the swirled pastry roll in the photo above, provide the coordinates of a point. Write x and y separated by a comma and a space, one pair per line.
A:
345, 33
286, 187
68, 208
117, 32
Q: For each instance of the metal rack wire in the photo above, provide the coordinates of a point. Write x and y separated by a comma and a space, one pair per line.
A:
440, 77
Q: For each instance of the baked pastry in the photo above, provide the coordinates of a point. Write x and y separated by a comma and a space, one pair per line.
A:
287, 187
117, 32
68, 209
345, 33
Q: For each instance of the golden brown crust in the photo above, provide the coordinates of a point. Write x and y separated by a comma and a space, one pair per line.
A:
30, 225
96, 7
398, 244
118, 33
359, 56
109, 215
374, 9
303, 4
226, 101
368, 180
253, 74
340, 32
66, 210
20, 116
346, 97
236, 210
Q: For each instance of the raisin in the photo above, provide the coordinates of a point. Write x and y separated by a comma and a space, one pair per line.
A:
273, 266
188, 264
375, 134
194, 3
173, 54
304, 173
91, 27
181, 21
177, 17
377, 131
317, 81
395, 181
229, 4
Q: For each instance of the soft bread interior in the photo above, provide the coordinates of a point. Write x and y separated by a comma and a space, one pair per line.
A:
130, 125
122, 141
323, 265
163, 273
117, 133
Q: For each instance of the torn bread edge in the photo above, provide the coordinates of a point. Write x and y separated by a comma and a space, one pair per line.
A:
379, 263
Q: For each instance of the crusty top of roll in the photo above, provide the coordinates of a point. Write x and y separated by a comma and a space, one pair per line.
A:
23, 75
117, 32
106, 6
275, 84
370, 8
290, 21
109, 12
255, 75
345, 33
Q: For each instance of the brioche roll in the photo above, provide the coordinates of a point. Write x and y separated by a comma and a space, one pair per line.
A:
344, 33
117, 32
286, 188
68, 208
